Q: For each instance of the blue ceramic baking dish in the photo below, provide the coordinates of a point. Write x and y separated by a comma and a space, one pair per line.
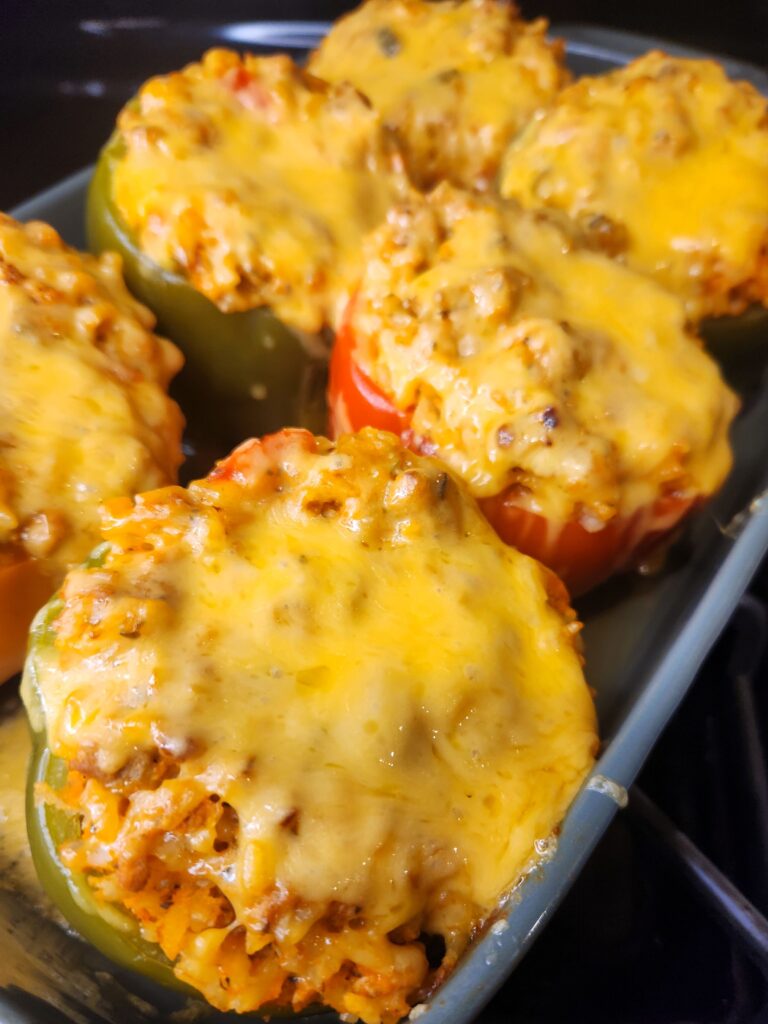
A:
645, 639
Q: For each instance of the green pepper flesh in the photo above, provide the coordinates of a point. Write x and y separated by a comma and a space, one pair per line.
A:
112, 932
247, 373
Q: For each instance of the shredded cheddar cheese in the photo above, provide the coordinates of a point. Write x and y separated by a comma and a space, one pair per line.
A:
255, 180
528, 362
668, 160
456, 79
83, 410
315, 712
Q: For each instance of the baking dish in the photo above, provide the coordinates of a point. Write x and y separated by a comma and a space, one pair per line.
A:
645, 639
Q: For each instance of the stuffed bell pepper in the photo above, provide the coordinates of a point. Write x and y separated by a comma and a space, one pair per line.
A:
379, 715
237, 191
663, 164
563, 388
84, 413
456, 80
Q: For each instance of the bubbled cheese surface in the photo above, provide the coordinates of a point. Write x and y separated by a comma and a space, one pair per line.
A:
331, 637
531, 363
675, 157
254, 180
83, 411
455, 79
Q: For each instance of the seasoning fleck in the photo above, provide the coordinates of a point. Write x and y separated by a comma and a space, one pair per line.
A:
504, 436
388, 42
550, 418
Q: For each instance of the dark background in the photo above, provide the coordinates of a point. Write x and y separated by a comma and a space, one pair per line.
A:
63, 76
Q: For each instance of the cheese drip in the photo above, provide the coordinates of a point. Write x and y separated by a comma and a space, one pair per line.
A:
16, 868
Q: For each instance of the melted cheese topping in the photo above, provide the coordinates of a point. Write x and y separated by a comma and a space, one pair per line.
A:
83, 410
332, 642
530, 364
456, 79
255, 180
675, 157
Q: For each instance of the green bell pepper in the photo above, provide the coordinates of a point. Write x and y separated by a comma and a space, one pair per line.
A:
112, 931
247, 373
109, 929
